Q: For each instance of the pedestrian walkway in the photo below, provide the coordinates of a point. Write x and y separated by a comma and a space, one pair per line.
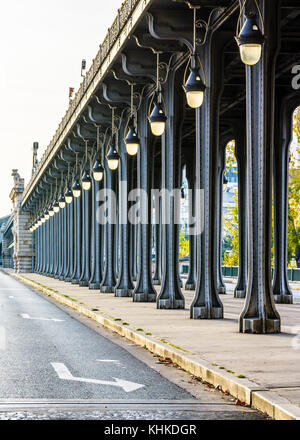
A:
261, 370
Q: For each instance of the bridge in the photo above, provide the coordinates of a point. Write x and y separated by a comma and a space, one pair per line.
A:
172, 83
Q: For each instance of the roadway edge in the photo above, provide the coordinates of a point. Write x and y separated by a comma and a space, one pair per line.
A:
246, 391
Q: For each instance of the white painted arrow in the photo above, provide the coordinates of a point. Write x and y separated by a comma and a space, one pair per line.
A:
25, 316
63, 373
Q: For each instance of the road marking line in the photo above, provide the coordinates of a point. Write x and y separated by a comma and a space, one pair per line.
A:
64, 374
11, 297
26, 316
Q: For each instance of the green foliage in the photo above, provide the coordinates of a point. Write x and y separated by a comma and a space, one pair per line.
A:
294, 199
231, 219
183, 245
231, 223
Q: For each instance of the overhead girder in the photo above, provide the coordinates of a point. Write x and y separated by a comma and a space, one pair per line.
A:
67, 155
172, 25
54, 172
85, 132
98, 113
146, 41
75, 145
134, 67
168, 30
60, 165
115, 92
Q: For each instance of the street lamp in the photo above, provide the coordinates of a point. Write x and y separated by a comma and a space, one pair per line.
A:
194, 87
86, 181
51, 210
68, 195
113, 155
158, 116
98, 171
112, 158
62, 201
250, 39
56, 206
132, 140
76, 189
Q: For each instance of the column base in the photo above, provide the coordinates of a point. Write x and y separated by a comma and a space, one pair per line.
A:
259, 325
123, 293
62, 278
94, 286
283, 299
83, 283
222, 290
55, 276
240, 294
170, 304
156, 282
190, 286
205, 313
144, 297
107, 289
68, 279
74, 281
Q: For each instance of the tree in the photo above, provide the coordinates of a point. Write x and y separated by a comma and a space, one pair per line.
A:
231, 218
294, 196
231, 223
183, 245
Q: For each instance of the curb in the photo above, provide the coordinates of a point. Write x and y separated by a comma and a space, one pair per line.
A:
244, 390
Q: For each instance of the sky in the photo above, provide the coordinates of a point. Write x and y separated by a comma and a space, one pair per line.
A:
42, 44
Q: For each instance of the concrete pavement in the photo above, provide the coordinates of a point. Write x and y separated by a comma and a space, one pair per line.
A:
53, 366
261, 370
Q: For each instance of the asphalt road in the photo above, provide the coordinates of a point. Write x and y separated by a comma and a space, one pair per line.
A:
54, 366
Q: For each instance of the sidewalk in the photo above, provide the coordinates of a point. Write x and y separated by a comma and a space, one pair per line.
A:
261, 370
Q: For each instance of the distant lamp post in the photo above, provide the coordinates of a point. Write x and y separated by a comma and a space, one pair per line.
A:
83, 67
